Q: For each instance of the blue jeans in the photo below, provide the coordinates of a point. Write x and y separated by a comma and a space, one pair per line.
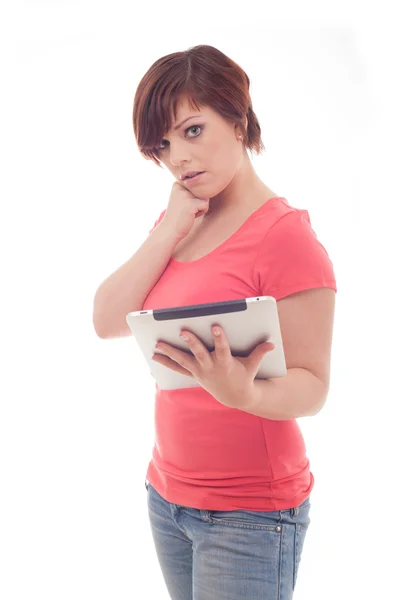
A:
233, 555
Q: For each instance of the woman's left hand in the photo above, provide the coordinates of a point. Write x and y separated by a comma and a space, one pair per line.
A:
229, 379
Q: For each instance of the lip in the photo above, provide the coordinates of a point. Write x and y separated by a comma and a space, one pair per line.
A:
194, 179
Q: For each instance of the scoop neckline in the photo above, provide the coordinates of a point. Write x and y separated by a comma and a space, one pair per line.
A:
180, 263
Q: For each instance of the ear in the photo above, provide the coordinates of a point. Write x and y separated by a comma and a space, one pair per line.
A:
239, 129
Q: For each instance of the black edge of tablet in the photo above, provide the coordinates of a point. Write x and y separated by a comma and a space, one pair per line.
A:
199, 310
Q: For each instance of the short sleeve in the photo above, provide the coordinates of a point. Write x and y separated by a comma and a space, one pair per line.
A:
160, 218
292, 259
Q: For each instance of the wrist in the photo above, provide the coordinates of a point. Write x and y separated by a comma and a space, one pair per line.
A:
166, 234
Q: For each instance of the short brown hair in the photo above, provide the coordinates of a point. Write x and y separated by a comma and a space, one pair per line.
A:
206, 76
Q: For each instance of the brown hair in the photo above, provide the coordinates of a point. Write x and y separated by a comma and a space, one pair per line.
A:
205, 76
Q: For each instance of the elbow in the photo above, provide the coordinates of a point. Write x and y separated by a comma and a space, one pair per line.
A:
98, 318
319, 405
99, 325
99, 332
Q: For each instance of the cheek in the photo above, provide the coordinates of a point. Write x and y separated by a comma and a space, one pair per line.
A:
221, 159
227, 162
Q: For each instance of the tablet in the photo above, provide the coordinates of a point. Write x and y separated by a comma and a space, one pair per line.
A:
246, 322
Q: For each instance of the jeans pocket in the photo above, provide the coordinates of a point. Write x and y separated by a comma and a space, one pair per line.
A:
300, 536
268, 521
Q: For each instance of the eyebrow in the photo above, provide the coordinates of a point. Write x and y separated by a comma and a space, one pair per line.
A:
192, 117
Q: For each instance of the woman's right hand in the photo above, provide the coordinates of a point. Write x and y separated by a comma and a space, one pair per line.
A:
182, 211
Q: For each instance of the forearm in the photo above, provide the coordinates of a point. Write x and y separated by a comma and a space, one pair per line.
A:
297, 394
126, 289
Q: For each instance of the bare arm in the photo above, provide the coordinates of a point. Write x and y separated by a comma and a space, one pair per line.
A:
126, 289
306, 321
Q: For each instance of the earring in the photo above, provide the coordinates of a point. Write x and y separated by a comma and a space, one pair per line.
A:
240, 138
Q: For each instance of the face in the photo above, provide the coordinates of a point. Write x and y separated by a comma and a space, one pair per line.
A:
205, 142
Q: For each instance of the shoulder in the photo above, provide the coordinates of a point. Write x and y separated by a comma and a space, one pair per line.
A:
290, 227
291, 258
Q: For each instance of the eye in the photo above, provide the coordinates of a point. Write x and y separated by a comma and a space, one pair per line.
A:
201, 127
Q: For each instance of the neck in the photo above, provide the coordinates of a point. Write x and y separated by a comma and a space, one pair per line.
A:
245, 185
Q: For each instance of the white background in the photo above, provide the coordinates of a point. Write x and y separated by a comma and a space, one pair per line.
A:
77, 200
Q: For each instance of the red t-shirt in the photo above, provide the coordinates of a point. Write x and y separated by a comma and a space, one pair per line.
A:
207, 455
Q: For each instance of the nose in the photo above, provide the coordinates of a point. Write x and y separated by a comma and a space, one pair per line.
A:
178, 153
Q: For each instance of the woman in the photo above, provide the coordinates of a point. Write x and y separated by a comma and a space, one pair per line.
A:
229, 482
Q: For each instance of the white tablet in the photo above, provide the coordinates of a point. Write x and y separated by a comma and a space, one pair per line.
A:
246, 324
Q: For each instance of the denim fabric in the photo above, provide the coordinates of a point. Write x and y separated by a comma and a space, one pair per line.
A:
227, 555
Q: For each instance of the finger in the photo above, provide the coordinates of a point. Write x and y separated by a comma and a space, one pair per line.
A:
198, 349
182, 358
222, 347
255, 359
171, 364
